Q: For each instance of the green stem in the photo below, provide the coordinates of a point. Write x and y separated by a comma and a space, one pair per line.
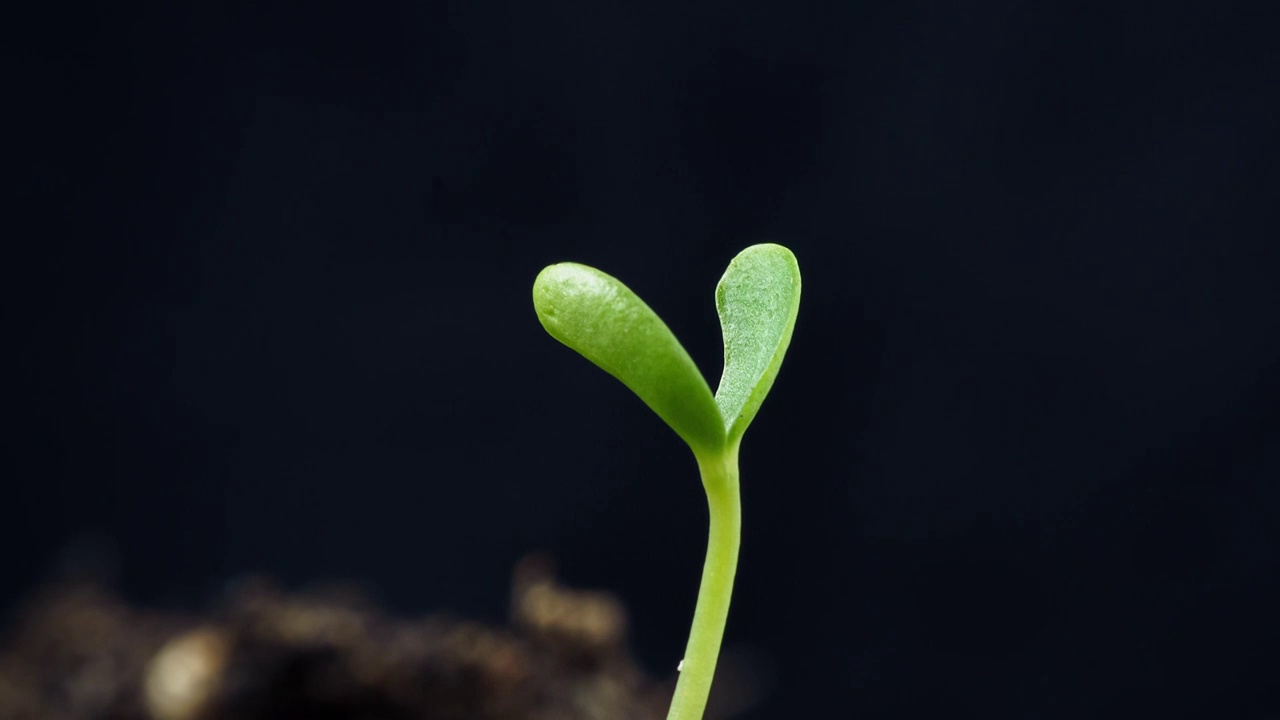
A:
720, 479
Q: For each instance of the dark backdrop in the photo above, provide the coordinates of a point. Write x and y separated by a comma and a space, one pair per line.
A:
270, 272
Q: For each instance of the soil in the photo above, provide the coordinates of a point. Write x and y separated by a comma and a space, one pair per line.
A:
79, 652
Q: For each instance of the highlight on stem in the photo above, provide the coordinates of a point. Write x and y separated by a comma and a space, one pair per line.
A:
757, 300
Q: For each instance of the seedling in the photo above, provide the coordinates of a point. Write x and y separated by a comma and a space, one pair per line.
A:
757, 300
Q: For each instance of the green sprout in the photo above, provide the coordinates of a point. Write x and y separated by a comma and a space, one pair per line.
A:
757, 300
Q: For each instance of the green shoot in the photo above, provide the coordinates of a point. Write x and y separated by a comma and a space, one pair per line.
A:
757, 300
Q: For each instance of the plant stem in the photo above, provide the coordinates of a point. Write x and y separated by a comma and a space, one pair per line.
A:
720, 479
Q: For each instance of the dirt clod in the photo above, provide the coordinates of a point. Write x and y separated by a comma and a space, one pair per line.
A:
80, 653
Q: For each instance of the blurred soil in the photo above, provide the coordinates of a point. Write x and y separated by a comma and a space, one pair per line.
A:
78, 652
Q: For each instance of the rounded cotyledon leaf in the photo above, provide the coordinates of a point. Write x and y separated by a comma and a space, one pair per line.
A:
596, 315
757, 300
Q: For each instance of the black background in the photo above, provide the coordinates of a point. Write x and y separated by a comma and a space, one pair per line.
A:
269, 312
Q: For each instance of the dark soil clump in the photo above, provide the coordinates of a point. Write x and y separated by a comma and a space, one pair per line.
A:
80, 653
